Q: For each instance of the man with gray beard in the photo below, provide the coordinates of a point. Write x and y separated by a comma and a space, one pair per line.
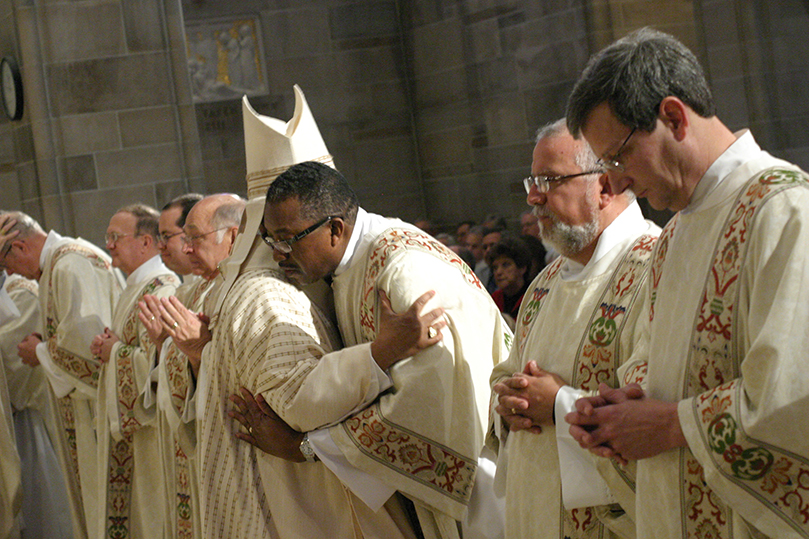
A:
578, 321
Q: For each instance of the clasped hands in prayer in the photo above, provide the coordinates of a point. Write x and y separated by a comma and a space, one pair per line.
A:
168, 317
399, 336
622, 423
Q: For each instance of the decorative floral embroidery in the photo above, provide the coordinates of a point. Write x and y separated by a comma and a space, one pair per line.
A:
712, 372
658, 257
185, 526
84, 369
386, 245
534, 299
119, 494
411, 454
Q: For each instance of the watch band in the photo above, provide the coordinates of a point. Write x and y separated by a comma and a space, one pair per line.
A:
306, 449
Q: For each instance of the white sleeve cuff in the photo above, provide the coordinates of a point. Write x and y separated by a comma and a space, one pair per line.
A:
373, 492
582, 485
59, 382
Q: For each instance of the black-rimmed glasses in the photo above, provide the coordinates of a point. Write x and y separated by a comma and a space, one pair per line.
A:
285, 246
613, 163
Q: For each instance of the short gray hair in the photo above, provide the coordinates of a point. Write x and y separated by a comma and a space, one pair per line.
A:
26, 225
585, 159
227, 215
633, 75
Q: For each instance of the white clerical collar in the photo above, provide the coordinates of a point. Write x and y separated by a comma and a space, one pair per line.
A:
626, 224
736, 155
153, 266
50, 242
364, 224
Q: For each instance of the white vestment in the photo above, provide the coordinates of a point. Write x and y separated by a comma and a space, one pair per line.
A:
267, 338
77, 291
10, 480
728, 340
578, 322
176, 434
423, 434
46, 509
130, 474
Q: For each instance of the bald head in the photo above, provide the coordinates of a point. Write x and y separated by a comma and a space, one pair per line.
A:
210, 230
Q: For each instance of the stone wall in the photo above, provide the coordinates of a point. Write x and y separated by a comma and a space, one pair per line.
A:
108, 119
428, 106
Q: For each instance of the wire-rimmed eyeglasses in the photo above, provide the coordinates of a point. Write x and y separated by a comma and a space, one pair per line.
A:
194, 240
614, 163
113, 237
543, 183
164, 238
285, 246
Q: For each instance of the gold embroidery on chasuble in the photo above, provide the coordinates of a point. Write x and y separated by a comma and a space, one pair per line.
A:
121, 456
176, 362
85, 370
598, 358
776, 478
408, 453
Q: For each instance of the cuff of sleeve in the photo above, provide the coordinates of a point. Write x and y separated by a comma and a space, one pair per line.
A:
582, 484
60, 384
373, 492
383, 379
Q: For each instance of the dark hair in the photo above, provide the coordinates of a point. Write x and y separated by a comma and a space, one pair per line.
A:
147, 218
633, 75
512, 248
185, 203
321, 190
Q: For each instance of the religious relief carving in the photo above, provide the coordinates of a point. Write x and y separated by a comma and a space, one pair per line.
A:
225, 59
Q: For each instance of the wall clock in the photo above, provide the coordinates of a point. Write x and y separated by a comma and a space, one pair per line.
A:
11, 87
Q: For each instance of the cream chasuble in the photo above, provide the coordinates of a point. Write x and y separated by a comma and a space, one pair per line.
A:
267, 338
77, 291
177, 436
422, 437
129, 468
10, 475
730, 308
582, 329
46, 510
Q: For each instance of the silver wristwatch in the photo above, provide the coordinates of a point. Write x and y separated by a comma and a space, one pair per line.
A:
306, 449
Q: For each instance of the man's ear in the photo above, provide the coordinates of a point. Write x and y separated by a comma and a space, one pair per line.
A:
338, 229
233, 231
606, 194
674, 115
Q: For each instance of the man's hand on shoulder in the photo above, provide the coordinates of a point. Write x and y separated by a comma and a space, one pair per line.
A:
403, 335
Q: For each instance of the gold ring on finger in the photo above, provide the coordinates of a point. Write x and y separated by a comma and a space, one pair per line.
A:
513, 411
432, 332
175, 325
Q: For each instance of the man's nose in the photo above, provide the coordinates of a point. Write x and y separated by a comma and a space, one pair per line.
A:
535, 197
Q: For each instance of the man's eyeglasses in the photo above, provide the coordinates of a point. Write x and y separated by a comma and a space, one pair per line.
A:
543, 183
194, 240
164, 238
613, 163
285, 246
113, 237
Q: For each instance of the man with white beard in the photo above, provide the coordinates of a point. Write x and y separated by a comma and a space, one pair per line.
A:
578, 321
